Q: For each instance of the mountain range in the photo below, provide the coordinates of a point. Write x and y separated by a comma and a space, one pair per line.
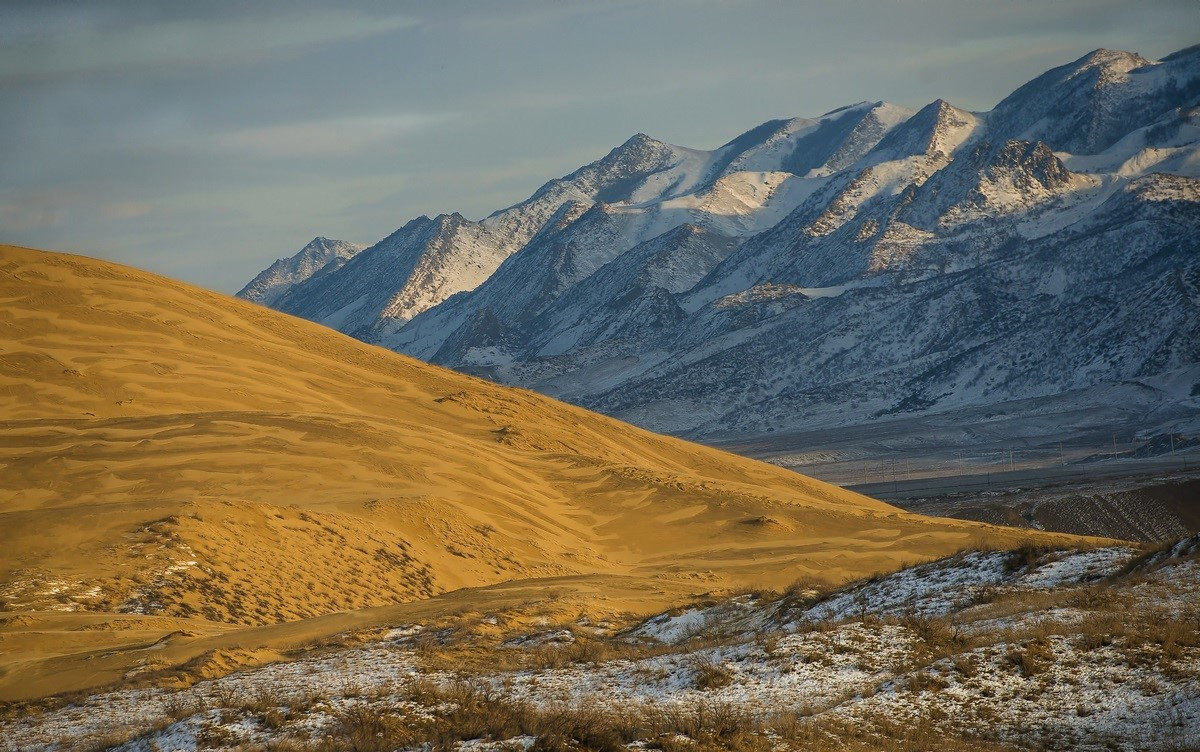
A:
871, 264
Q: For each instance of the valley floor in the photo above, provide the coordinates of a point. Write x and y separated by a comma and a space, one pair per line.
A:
1034, 649
1008, 472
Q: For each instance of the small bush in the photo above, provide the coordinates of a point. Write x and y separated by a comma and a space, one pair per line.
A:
966, 665
925, 681
178, 707
708, 674
1033, 658
365, 729
1024, 558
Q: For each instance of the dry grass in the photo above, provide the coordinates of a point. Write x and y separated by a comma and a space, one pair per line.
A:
874, 732
474, 655
466, 711
434, 716
479, 712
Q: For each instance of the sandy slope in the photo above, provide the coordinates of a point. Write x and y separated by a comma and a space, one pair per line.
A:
173, 452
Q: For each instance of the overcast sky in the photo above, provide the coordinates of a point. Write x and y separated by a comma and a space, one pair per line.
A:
203, 140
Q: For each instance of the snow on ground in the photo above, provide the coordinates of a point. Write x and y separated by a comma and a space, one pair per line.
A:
338, 678
796, 672
1080, 699
1094, 649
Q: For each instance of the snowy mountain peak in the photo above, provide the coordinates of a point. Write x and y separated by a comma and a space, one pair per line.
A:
813, 147
1109, 60
320, 254
640, 140
1088, 105
937, 129
449, 222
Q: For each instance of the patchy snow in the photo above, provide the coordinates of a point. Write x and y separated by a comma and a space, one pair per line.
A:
673, 628
1020, 646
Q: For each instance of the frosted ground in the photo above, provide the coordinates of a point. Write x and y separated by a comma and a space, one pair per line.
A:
1036, 649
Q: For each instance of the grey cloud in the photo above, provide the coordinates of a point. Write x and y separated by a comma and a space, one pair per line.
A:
206, 139
71, 45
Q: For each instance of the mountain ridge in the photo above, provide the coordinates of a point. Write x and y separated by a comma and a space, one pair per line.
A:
867, 202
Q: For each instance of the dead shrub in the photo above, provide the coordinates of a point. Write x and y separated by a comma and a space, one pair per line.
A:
708, 673
1032, 658
966, 664
178, 706
365, 729
925, 681
1025, 558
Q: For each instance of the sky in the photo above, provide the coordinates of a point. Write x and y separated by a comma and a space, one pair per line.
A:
203, 140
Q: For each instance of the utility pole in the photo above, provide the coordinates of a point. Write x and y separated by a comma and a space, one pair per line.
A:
1062, 460
1114, 437
1010, 459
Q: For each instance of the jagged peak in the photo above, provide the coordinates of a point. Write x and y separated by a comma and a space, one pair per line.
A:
1035, 156
451, 220
637, 147
641, 139
1107, 58
759, 133
937, 127
321, 245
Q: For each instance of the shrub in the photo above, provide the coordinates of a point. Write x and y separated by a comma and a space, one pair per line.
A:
707, 673
1032, 658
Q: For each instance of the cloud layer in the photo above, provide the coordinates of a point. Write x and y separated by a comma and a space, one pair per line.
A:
204, 140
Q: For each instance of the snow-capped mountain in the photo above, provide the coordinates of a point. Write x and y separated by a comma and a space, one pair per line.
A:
872, 262
319, 256
654, 186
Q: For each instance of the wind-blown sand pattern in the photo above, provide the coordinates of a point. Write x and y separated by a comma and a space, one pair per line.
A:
187, 477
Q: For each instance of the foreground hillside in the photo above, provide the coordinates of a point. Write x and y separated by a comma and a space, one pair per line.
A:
199, 464
1031, 649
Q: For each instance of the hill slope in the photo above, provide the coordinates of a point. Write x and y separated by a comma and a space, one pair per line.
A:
171, 452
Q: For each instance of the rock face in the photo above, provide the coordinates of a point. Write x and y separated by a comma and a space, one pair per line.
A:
870, 263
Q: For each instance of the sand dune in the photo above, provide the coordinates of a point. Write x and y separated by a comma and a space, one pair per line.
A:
179, 454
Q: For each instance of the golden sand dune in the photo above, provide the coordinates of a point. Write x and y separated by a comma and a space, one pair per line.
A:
173, 452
